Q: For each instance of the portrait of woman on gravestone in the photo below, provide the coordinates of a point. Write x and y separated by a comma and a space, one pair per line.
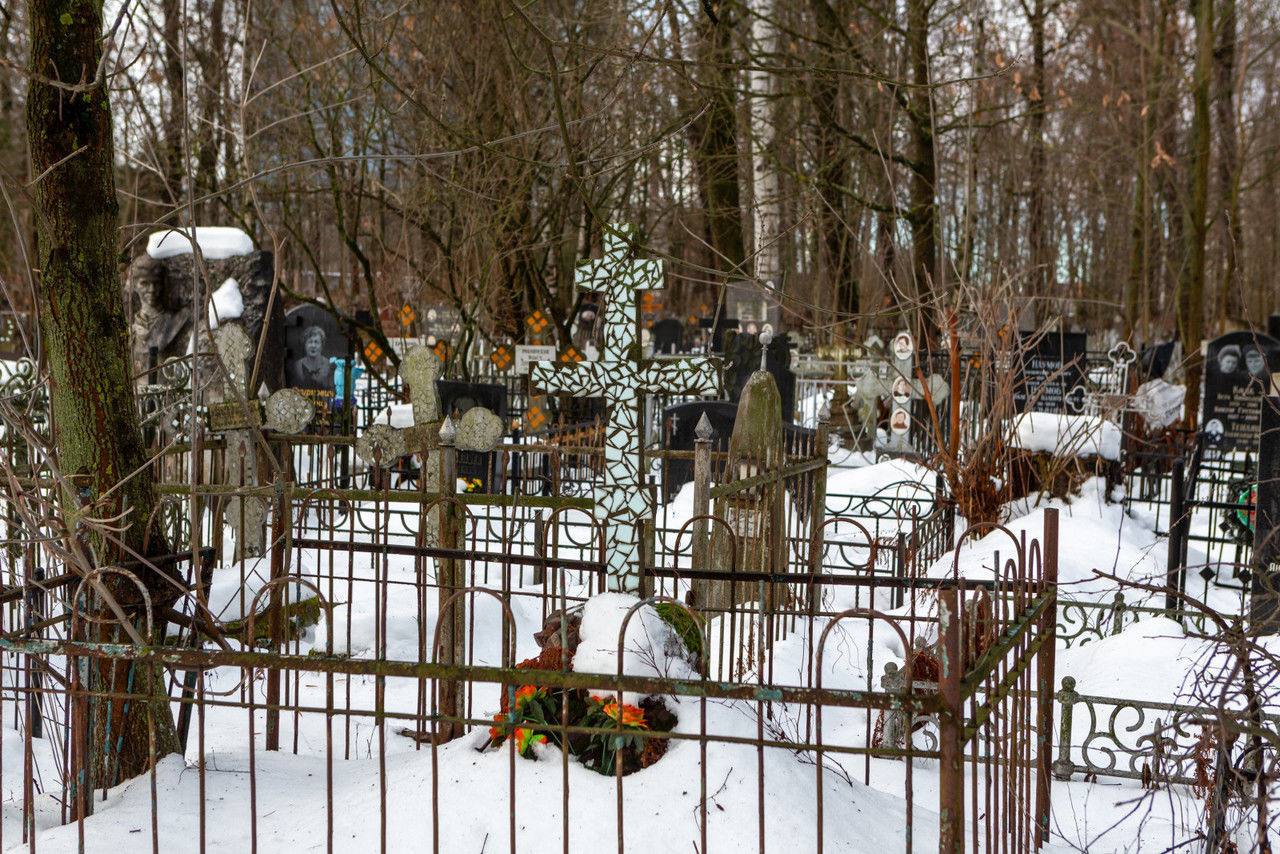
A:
1229, 359
313, 370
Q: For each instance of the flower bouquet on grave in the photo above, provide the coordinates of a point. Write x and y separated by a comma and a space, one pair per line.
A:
617, 736
533, 711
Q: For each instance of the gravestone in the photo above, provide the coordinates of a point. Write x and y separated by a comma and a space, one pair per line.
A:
479, 430
288, 411
456, 397
668, 336
747, 357
313, 337
441, 323
1051, 366
623, 499
159, 292
527, 354
420, 370
1264, 599
718, 327
457, 400
1237, 375
755, 515
239, 417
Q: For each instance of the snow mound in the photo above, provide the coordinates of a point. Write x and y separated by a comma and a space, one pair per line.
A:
651, 647
1083, 435
226, 303
216, 242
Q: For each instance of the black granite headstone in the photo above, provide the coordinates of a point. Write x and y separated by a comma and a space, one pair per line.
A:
313, 336
668, 336
1264, 599
1050, 367
1237, 374
745, 361
1155, 360
457, 397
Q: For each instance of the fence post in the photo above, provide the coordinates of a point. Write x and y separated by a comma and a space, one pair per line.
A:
1067, 698
704, 434
950, 728
1045, 677
452, 649
818, 508
1118, 609
1175, 572
275, 617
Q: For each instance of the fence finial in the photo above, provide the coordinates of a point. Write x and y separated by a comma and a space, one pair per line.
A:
704, 430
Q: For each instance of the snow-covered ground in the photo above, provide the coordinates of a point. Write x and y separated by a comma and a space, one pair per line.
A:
465, 798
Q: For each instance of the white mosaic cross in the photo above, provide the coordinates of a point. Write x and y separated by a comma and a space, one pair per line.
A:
622, 378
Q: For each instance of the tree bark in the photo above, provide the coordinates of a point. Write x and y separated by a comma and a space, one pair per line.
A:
95, 423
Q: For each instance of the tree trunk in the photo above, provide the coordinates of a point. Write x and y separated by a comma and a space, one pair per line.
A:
95, 424
1231, 303
1042, 264
1191, 280
714, 140
924, 207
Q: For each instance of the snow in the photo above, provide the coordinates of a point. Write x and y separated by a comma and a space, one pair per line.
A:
215, 242
1080, 435
1103, 550
651, 646
398, 415
225, 303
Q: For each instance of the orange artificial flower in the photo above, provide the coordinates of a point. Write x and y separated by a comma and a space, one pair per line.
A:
525, 693
624, 714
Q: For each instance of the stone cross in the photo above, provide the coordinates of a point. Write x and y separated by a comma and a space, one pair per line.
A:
248, 516
420, 369
621, 377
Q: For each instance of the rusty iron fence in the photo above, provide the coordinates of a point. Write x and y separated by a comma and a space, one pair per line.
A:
383, 626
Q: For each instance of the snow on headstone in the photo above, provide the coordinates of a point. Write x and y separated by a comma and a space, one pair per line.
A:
226, 303
215, 242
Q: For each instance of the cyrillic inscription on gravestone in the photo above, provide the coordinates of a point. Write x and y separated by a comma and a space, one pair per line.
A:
1050, 367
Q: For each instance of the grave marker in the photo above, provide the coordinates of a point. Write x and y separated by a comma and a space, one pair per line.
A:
1237, 375
622, 379
1051, 366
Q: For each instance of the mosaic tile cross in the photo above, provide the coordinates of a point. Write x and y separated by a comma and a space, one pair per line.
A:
622, 378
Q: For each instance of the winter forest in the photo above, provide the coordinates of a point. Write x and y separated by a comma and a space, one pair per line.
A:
712, 425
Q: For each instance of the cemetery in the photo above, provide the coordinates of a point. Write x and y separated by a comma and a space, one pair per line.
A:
540, 492
733, 588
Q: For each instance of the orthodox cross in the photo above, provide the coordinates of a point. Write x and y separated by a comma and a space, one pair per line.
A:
622, 378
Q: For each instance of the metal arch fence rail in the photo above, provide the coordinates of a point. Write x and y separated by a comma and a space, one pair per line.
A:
360, 687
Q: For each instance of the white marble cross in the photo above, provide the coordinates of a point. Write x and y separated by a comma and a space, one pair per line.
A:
622, 378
